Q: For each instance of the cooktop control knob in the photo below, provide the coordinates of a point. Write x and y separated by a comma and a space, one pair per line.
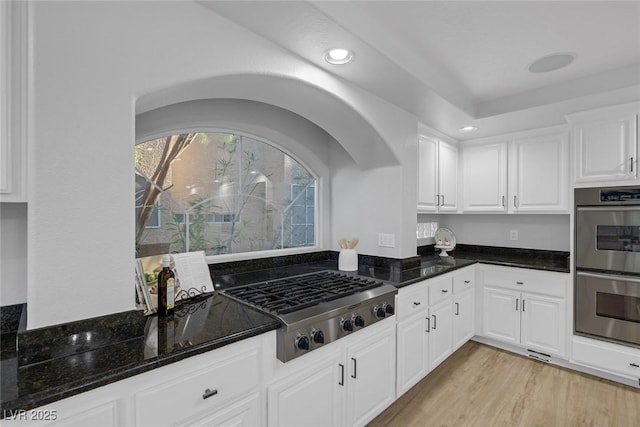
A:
317, 336
358, 320
346, 325
379, 312
388, 308
302, 342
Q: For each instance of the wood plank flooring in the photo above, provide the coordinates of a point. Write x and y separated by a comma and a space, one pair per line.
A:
480, 385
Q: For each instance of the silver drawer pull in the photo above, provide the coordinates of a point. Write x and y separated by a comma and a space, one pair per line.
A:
444, 291
416, 303
519, 283
208, 393
635, 365
467, 281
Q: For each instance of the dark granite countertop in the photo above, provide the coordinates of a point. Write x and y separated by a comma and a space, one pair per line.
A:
57, 362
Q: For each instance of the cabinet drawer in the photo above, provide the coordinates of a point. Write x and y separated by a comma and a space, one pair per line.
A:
412, 299
440, 289
608, 357
541, 282
177, 399
463, 281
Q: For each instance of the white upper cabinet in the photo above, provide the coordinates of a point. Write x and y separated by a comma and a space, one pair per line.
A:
427, 174
447, 177
437, 176
527, 172
539, 171
484, 178
605, 144
13, 57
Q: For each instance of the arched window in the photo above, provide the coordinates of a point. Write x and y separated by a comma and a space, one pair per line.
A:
223, 193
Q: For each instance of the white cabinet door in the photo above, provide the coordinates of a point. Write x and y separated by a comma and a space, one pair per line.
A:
484, 178
440, 330
501, 315
463, 318
412, 352
244, 413
543, 324
372, 377
447, 177
311, 397
13, 81
606, 149
427, 174
539, 170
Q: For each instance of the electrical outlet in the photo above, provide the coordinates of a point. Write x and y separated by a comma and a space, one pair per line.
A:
387, 240
513, 234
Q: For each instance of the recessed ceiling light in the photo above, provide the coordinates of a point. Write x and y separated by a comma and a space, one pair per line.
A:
551, 62
338, 56
468, 129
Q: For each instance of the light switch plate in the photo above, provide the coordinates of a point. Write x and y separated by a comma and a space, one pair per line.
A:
386, 240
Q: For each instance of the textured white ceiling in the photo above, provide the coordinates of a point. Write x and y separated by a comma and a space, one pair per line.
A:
454, 63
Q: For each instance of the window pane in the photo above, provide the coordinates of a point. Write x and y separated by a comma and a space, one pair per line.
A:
221, 193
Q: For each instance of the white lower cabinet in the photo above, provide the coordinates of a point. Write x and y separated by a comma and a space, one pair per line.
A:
372, 376
429, 329
612, 358
313, 396
463, 317
413, 351
245, 412
440, 332
526, 308
186, 393
348, 386
222, 387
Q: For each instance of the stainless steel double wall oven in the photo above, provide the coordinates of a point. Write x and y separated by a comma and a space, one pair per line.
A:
607, 260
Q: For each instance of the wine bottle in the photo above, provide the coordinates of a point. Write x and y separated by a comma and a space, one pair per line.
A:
166, 287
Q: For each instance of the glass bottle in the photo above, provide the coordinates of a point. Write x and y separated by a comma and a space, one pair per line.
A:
166, 287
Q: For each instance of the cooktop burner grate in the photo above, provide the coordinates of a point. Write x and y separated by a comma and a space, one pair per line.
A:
282, 296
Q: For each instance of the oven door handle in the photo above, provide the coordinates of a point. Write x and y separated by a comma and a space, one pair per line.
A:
609, 276
608, 208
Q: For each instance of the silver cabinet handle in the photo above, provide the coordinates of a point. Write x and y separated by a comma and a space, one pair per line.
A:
442, 203
341, 382
416, 303
515, 201
631, 164
519, 283
428, 324
467, 281
444, 291
517, 299
634, 365
437, 200
208, 393
503, 201
457, 313
523, 305
434, 322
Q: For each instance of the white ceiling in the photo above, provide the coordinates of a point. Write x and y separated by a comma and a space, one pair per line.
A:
456, 63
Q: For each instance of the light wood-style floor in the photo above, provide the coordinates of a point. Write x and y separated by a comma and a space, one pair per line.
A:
483, 386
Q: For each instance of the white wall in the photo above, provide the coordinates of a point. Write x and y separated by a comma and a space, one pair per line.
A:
96, 64
13, 253
547, 232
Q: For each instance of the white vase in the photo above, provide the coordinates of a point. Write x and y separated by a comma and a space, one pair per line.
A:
348, 260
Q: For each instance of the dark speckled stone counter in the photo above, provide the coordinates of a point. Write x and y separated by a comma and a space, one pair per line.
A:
63, 360
52, 364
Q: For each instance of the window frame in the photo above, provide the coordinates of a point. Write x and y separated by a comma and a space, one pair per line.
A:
241, 256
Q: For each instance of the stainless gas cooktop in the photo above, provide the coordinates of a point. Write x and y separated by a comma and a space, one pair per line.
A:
316, 309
